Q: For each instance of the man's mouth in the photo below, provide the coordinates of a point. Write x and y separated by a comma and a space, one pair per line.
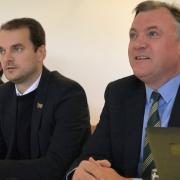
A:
142, 58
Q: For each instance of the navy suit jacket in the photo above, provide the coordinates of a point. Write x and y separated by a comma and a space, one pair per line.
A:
59, 126
119, 131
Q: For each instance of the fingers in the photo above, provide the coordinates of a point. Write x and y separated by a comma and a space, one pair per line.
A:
88, 170
94, 161
104, 163
96, 170
80, 174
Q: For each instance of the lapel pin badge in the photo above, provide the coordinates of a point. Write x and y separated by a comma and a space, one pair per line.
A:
39, 105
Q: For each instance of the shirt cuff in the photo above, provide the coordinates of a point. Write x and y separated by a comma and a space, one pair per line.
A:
70, 173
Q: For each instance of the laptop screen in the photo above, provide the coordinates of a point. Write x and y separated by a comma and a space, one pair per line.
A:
165, 148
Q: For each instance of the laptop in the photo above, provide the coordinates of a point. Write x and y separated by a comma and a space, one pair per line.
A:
165, 148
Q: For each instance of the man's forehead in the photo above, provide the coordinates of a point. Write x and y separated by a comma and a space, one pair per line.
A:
152, 18
19, 29
12, 37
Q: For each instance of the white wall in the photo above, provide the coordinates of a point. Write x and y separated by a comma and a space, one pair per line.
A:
86, 39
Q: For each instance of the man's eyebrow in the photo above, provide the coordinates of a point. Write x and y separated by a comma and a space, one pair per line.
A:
16, 45
148, 28
132, 29
152, 27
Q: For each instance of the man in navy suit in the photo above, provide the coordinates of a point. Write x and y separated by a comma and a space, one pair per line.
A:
44, 117
115, 151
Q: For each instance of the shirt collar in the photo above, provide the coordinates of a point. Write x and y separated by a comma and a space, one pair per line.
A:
30, 89
167, 90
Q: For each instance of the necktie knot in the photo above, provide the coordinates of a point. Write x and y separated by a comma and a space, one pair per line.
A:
155, 96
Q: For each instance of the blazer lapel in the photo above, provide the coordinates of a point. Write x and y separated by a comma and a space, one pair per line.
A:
37, 111
175, 114
10, 123
135, 114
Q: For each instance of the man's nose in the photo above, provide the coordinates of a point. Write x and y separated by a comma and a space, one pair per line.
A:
8, 56
140, 43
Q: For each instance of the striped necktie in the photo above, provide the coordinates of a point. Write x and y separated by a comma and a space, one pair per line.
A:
154, 121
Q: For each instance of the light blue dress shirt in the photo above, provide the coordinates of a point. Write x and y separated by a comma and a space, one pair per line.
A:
168, 93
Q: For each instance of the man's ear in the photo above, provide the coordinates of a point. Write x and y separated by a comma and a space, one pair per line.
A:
41, 53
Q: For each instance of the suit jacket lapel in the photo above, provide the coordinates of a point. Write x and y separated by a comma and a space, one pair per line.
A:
135, 114
10, 122
175, 114
37, 111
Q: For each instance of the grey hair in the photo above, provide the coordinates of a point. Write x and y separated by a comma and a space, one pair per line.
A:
151, 5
